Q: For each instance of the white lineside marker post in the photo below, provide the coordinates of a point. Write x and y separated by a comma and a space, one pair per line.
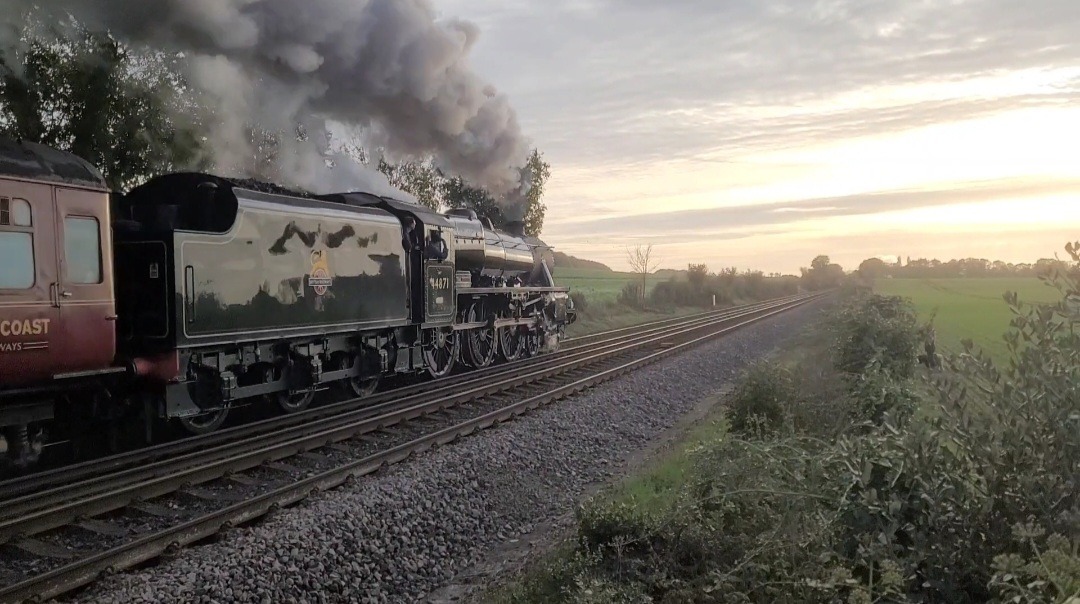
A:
714, 300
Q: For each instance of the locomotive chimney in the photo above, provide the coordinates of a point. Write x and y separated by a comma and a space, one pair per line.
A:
516, 228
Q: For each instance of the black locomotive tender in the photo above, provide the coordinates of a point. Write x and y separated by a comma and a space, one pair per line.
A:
229, 293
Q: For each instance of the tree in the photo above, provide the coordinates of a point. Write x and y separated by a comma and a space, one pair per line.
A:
457, 193
129, 113
873, 268
822, 274
820, 263
538, 171
696, 274
642, 263
419, 177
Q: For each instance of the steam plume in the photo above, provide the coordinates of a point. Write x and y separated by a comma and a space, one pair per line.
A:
387, 67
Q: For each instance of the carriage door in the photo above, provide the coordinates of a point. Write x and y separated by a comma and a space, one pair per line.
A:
28, 317
84, 291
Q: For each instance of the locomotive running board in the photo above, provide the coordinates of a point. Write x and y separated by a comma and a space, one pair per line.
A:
513, 290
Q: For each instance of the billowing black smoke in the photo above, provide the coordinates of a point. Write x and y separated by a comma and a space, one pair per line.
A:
386, 68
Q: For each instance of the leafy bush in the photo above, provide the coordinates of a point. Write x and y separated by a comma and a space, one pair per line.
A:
699, 288
581, 303
675, 292
631, 295
760, 402
882, 329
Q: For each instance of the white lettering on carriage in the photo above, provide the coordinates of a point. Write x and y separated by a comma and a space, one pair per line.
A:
24, 327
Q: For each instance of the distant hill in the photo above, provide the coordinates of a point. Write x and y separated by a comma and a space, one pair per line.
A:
564, 261
669, 273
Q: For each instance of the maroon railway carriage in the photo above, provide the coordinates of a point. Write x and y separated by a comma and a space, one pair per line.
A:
57, 307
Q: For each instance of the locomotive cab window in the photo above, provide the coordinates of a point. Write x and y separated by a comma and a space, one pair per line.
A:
16, 244
82, 249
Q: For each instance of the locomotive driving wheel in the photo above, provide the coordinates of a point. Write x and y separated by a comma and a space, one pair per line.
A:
532, 343
441, 348
482, 342
511, 343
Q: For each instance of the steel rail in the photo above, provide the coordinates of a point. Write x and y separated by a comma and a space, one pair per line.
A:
88, 470
84, 571
41, 511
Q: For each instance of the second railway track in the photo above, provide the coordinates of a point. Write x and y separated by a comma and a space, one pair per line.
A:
64, 528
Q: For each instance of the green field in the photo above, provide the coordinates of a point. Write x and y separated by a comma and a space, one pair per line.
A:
968, 308
598, 285
601, 289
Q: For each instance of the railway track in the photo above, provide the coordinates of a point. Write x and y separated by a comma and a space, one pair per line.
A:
62, 529
571, 348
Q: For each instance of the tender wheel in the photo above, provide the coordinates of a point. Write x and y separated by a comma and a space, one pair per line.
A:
295, 402
207, 395
358, 387
482, 343
440, 352
204, 423
289, 402
363, 388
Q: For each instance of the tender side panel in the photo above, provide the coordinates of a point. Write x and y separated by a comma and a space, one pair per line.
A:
29, 315
287, 268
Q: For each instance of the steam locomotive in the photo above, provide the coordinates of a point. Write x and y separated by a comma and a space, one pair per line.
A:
193, 294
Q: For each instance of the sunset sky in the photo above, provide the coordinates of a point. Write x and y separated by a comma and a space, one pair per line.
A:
760, 133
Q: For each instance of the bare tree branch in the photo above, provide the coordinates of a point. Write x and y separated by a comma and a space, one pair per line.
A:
642, 263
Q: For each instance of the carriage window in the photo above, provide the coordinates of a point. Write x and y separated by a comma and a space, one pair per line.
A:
82, 250
17, 269
20, 213
14, 212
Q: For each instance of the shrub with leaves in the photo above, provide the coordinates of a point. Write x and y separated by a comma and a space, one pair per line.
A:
873, 328
581, 303
760, 402
1047, 571
631, 295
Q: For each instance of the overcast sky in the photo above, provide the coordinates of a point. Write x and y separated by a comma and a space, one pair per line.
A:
759, 133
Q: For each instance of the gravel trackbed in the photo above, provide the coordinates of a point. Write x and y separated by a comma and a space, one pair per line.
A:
403, 533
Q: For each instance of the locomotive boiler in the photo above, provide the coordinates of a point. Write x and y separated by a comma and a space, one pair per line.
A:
194, 294
491, 256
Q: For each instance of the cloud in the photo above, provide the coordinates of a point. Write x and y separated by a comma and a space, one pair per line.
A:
646, 109
749, 220
609, 81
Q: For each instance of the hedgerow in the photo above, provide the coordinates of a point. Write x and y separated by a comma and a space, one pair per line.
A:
975, 500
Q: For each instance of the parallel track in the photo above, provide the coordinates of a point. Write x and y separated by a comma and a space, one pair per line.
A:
344, 440
36, 483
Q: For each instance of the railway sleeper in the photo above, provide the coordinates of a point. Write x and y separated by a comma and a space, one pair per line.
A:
42, 549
